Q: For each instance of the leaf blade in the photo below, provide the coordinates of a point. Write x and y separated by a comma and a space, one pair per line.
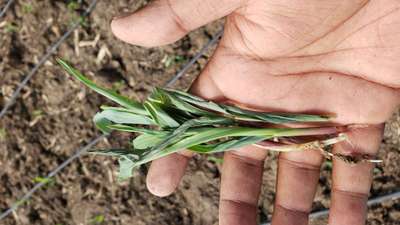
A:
159, 116
112, 95
122, 117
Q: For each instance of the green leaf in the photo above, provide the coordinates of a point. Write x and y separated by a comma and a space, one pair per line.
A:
166, 97
180, 132
159, 115
128, 159
120, 116
126, 166
198, 141
300, 117
110, 94
146, 141
211, 134
276, 118
215, 159
242, 114
111, 152
97, 219
44, 180
127, 128
236, 144
203, 135
197, 101
102, 123
231, 144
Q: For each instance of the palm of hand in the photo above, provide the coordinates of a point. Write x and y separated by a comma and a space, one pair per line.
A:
336, 57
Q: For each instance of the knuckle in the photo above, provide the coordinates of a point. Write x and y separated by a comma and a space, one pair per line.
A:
247, 160
300, 165
349, 193
292, 210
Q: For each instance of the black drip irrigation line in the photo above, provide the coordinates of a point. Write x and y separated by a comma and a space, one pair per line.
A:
99, 138
373, 201
35, 188
45, 57
195, 58
6, 7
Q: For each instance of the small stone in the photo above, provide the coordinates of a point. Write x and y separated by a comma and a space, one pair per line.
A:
394, 215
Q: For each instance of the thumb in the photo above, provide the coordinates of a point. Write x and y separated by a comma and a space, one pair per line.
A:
165, 21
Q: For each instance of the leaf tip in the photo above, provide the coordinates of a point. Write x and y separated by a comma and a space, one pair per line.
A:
62, 62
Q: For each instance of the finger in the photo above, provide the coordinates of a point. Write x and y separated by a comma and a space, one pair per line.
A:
240, 186
298, 174
165, 21
351, 183
166, 173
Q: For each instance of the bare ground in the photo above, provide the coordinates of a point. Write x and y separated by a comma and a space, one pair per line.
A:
52, 118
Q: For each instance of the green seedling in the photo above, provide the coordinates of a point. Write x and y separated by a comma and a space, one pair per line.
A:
27, 8
74, 18
118, 85
73, 5
83, 21
78, 19
3, 133
97, 219
11, 28
170, 120
171, 60
44, 180
37, 113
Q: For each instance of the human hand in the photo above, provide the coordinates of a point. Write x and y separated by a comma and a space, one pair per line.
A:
307, 56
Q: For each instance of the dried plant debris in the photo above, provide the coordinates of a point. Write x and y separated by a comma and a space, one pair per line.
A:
170, 121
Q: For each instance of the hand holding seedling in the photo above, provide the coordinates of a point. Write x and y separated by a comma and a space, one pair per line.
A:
335, 57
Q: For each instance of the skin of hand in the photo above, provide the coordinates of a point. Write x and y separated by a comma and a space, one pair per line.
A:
335, 56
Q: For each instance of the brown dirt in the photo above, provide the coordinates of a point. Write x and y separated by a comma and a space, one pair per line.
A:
52, 119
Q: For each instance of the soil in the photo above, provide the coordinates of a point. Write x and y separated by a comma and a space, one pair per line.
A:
52, 119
